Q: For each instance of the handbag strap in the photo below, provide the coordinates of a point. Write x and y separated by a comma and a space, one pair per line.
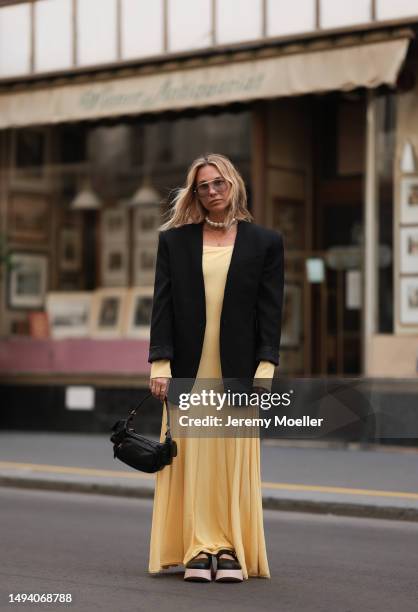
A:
133, 412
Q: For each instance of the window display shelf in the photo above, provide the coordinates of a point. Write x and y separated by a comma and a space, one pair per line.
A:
74, 356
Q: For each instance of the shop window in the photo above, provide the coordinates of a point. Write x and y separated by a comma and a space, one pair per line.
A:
339, 14
231, 29
388, 9
290, 17
189, 24
142, 28
96, 31
15, 40
53, 34
90, 199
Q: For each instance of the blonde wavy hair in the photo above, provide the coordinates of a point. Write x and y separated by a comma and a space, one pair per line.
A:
186, 207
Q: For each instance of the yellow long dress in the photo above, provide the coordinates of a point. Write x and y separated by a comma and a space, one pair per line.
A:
209, 498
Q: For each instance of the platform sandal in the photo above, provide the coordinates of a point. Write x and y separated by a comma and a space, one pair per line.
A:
228, 570
199, 569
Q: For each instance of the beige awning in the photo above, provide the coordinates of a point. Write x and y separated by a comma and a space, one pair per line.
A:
300, 70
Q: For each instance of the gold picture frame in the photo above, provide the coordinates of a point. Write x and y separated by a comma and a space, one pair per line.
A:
138, 312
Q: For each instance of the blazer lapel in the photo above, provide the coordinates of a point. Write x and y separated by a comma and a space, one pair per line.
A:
197, 281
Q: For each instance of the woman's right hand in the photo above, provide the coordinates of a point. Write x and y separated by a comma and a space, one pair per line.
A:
159, 387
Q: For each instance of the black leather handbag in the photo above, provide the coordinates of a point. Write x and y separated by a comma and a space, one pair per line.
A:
139, 452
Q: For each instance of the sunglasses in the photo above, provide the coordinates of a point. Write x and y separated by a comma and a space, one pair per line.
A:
218, 184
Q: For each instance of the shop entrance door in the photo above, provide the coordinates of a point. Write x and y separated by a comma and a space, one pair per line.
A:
335, 304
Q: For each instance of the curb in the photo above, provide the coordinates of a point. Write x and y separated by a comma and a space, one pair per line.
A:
76, 487
392, 513
269, 503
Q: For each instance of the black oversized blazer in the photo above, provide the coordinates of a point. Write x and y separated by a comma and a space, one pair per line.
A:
250, 325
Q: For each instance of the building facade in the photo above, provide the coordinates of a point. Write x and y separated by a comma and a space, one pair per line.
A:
104, 104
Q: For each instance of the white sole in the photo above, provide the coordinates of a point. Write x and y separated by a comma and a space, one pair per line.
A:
198, 575
229, 576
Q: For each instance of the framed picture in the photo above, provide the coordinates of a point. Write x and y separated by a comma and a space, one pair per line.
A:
29, 163
409, 200
114, 223
409, 301
69, 314
292, 315
27, 280
409, 250
108, 313
29, 218
145, 259
138, 312
70, 249
147, 219
115, 265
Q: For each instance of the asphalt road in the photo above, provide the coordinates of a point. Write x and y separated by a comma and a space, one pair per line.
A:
96, 548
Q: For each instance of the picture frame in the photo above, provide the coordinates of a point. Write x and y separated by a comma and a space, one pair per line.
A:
409, 200
29, 218
70, 249
408, 243
292, 316
138, 312
145, 259
408, 314
108, 314
27, 280
146, 221
69, 314
30, 148
115, 265
114, 225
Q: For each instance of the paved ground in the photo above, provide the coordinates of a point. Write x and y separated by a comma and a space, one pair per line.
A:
380, 482
96, 548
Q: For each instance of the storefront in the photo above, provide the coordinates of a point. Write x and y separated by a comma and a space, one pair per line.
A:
88, 169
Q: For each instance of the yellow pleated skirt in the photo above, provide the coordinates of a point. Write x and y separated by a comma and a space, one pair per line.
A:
209, 498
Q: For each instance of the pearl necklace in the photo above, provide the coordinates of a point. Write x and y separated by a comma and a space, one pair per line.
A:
219, 226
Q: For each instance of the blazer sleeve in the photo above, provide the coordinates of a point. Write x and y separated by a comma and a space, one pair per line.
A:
162, 317
270, 302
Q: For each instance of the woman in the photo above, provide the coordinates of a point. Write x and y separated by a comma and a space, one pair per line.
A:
216, 314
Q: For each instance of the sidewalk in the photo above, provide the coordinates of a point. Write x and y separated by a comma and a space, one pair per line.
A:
376, 481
